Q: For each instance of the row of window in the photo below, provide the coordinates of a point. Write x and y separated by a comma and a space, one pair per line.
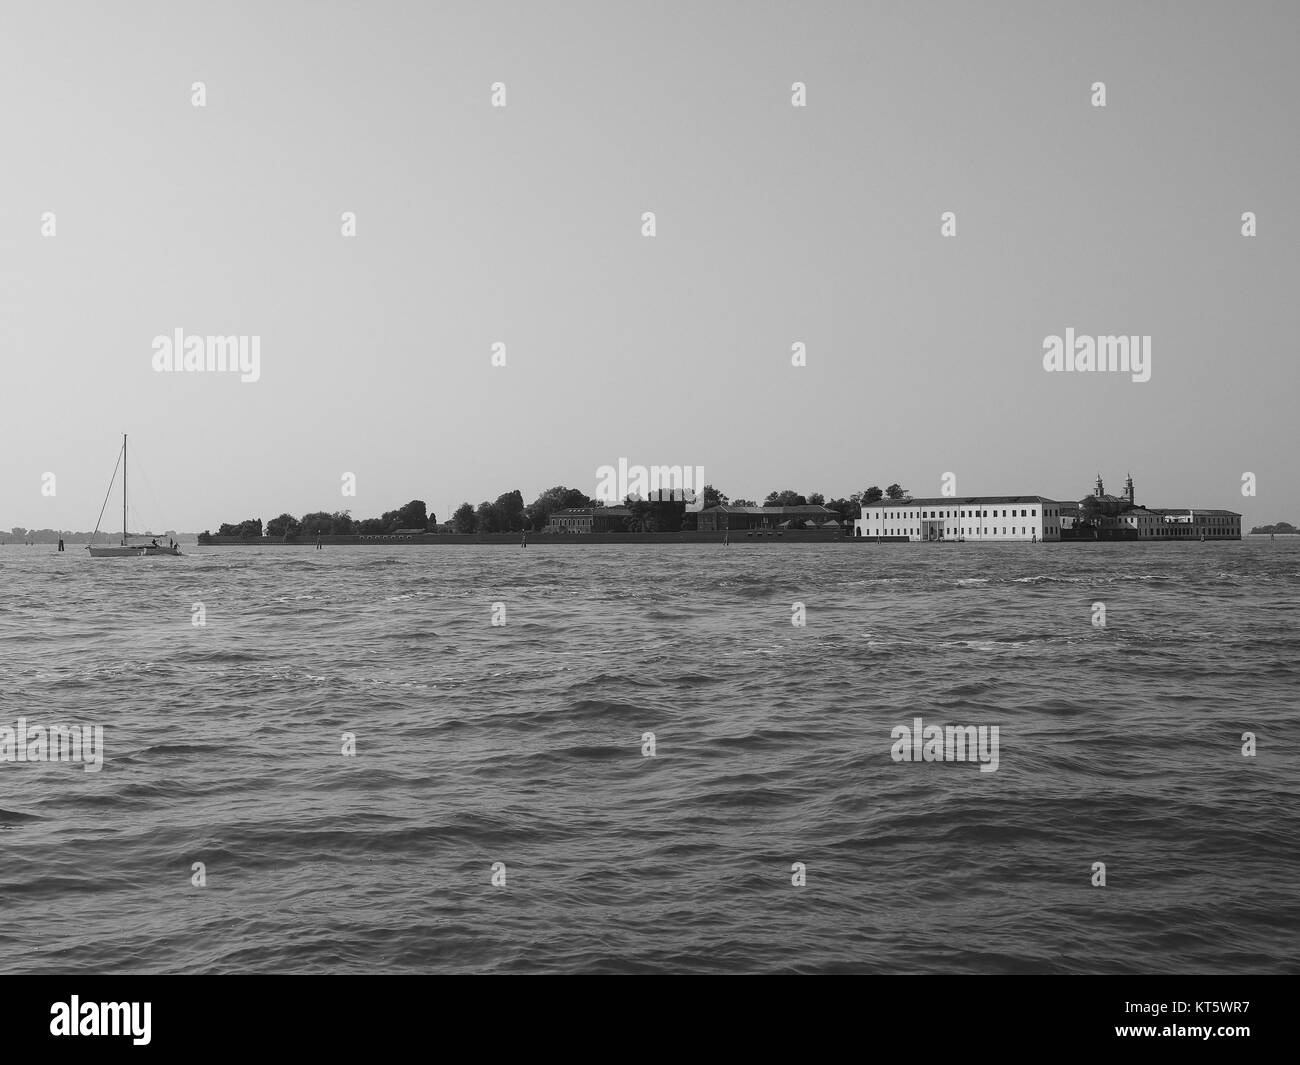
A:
974, 530
1192, 530
1147, 519
1030, 513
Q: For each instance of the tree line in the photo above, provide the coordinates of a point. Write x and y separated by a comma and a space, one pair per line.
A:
510, 514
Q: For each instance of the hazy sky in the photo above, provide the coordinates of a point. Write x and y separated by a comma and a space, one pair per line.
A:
522, 224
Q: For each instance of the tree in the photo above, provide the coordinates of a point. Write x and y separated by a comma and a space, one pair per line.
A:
371, 527
226, 529
463, 519
317, 524
485, 518
786, 498
1089, 512
250, 527
742, 503
640, 517
558, 498
871, 495
714, 498
816, 499
656, 515
413, 516
508, 511
284, 525
846, 509
896, 491
341, 523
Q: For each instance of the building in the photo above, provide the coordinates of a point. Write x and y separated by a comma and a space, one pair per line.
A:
983, 519
586, 520
1209, 524
770, 519
1107, 517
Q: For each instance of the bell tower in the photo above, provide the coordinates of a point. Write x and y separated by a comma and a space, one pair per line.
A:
1128, 490
1101, 491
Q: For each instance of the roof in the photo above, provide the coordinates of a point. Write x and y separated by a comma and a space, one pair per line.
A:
813, 509
956, 501
583, 512
1194, 510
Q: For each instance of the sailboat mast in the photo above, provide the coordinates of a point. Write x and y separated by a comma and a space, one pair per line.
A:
124, 489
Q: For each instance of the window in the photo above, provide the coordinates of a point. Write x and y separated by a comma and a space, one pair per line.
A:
1034, 512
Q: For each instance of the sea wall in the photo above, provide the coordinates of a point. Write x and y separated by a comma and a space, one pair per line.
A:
793, 536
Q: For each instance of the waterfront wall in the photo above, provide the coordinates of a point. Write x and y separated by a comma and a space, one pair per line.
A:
793, 536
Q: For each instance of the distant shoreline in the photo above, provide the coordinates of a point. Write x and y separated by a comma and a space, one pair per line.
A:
82, 539
777, 537
814, 536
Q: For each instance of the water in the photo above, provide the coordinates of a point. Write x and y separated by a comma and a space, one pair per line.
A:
522, 744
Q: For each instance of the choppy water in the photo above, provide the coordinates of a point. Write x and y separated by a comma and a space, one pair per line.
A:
522, 744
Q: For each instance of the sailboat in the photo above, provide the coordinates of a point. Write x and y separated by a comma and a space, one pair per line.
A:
124, 549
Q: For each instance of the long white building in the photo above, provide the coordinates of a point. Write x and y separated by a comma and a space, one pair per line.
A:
982, 519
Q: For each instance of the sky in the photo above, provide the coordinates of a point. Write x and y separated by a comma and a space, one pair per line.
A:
523, 225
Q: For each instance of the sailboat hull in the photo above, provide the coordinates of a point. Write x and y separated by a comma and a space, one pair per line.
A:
134, 552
